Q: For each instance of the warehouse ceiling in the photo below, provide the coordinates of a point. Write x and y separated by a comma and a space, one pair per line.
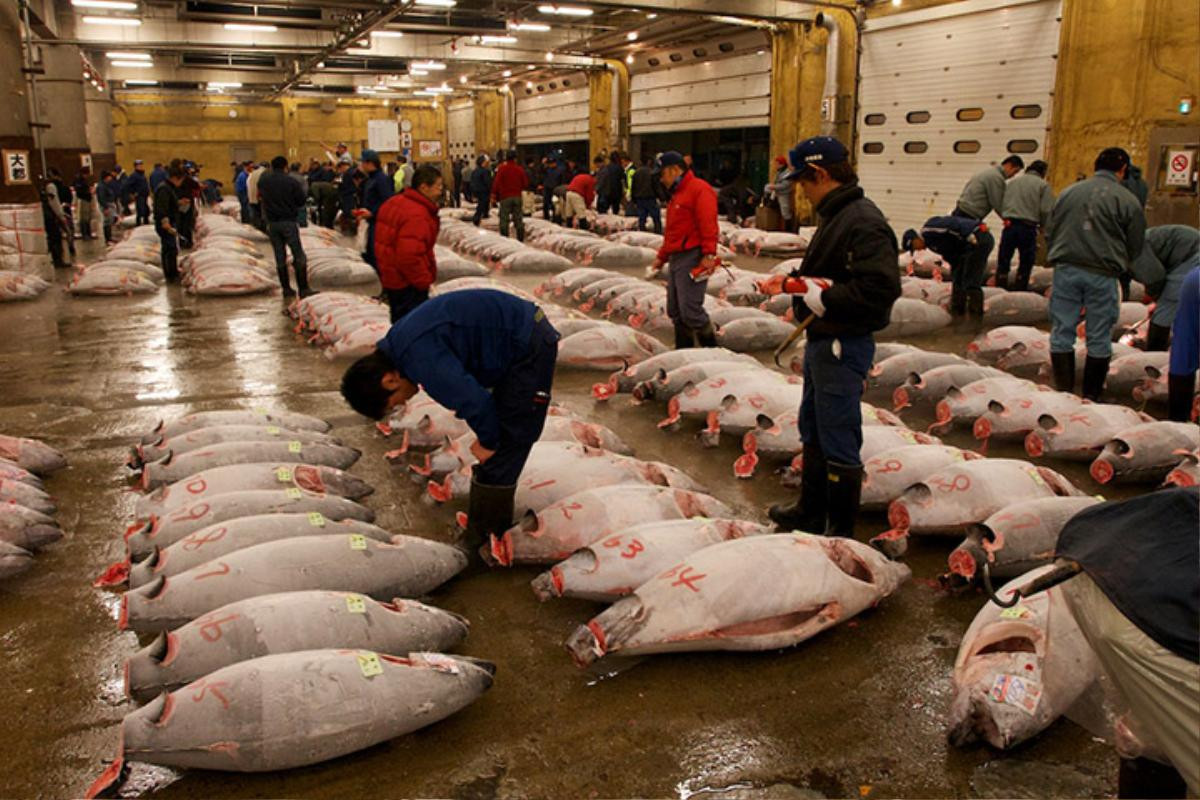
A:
396, 47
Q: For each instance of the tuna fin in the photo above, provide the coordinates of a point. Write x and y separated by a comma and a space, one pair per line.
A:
110, 780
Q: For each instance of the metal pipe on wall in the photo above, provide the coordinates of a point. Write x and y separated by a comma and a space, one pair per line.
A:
829, 94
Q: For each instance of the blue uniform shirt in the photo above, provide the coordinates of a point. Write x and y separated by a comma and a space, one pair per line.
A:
376, 190
239, 183
459, 345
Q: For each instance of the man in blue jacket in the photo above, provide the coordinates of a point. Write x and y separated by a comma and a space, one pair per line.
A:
488, 356
556, 176
139, 189
376, 189
957, 240
481, 188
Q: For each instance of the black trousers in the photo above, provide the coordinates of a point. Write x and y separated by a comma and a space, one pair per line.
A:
402, 301
54, 239
1019, 236
522, 399
481, 210
187, 227
285, 236
170, 254
143, 210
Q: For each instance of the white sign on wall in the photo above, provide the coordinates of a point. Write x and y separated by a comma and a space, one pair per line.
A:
16, 167
383, 135
1179, 167
430, 148
406, 140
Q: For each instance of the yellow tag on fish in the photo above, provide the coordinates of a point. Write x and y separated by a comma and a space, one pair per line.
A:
369, 664
1100, 497
273, 430
358, 541
356, 604
294, 446
1016, 612
261, 410
293, 493
1037, 478
316, 519
284, 475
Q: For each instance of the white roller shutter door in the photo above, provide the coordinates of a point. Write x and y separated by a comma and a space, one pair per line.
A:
556, 116
980, 73
460, 125
723, 93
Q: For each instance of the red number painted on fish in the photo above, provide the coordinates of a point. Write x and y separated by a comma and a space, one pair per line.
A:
891, 465
198, 511
197, 485
210, 631
543, 484
960, 483
223, 569
689, 579
195, 541
567, 509
204, 688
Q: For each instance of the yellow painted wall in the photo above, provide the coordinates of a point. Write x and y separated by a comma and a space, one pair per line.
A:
600, 97
489, 122
157, 128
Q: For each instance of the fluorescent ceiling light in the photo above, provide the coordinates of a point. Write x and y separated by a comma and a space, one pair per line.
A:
540, 27
388, 34
133, 64
141, 83
497, 40
365, 90
116, 5
418, 72
528, 84
425, 93
629, 58
358, 51
462, 78
128, 56
437, 3
549, 56
250, 26
566, 11
443, 89
428, 65
224, 85
507, 73
652, 16
128, 22
632, 36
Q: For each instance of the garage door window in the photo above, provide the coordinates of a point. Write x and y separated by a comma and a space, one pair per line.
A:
873, 147
1026, 112
875, 119
966, 146
915, 147
969, 114
917, 117
1022, 146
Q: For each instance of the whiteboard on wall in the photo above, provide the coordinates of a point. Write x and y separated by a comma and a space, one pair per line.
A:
383, 135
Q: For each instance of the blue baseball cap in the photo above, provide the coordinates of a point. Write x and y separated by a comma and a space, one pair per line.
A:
669, 159
819, 151
370, 155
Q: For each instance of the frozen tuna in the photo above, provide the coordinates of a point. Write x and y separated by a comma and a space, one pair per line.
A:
13, 560
607, 348
932, 385
26, 528
913, 317
615, 566
11, 470
176, 468
1187, 473
221, 434
1145, 453
1014, 415
966, 403
246, 477
258, 416
1019, 669
23, 494
624, 380
1082, 432
30, 454
295, 709
286, 623
890, 372
405, 567
757, 593
888, 474
762, 332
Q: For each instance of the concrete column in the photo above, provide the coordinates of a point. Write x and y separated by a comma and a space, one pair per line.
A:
62, 106
600, 110
100, 138
291, 128
15, 133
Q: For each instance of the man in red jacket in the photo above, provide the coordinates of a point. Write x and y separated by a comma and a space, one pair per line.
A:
689, 249
581, 195
405, 233
507, 186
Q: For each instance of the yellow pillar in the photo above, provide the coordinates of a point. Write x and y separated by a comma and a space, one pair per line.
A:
489, 122
600, 87
291, 128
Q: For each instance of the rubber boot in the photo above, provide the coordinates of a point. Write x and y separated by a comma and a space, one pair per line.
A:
1148, 779
1063, 365
1095, 370
490, 513
1181, 391
845, 492
1021, 284
975, 308
958, 302
301, 271
685, 337
1158, 338
707, 336
810, 511
1001, 281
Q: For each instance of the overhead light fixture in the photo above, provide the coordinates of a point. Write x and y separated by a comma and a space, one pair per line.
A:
539, 27
365, 90
387, 102
320, 65
507, 73
632, 36
125, 22
224, 85
128, 56
504, 88
566, 11
549, 56
528, 84
358, 51
443, 89
141, 83
425, 93
629, 58
896, 3
761, 53
652, 16
462, 78
133, 64
435, 65
388, 34
418, 72
437, 3
115, 5
250, 26
497, 39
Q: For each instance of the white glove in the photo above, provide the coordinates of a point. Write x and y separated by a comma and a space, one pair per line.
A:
812, 298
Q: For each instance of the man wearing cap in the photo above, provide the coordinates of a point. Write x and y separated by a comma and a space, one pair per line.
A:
282, 200
487, 355
1170, 253
783, 191
157, 176
1095, 234
843, 292
645, 190
337, 154
689, 249
166, 220
580, 195
481, 188
1028, 202
139, 189
507, 188
376, 189
983, 194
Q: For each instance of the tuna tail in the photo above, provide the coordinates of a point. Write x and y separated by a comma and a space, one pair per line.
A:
548, 585
586, 644
116, 574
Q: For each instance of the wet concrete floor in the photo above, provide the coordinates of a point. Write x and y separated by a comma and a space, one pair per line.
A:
857, 712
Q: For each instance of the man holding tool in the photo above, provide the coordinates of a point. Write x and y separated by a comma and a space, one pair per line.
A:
841, 294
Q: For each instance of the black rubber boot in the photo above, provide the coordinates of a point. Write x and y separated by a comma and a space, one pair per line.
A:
1158, 338
1181, 393
706, 336
489, 513
1021, 284
1064, 371
958, 302
1095, 371
1001, 281
845, 492
975, 307
685, 337
301, 271
1150, 780
810, 511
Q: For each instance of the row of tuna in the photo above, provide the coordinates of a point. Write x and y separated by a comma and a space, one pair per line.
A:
132, 266
20, 285
27, 510
286, 629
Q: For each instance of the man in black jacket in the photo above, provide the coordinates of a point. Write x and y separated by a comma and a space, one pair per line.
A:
283, 202
610, 186
646, 191
166, 220
844, 292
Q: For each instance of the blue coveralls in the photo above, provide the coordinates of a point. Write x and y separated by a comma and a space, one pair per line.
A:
376, 189
460, 345
1185, 332
243, 194
948, 236
139, 187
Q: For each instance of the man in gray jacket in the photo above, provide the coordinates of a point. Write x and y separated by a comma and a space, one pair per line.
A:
1171, 252
1096, 231
1028, 202
983, 194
